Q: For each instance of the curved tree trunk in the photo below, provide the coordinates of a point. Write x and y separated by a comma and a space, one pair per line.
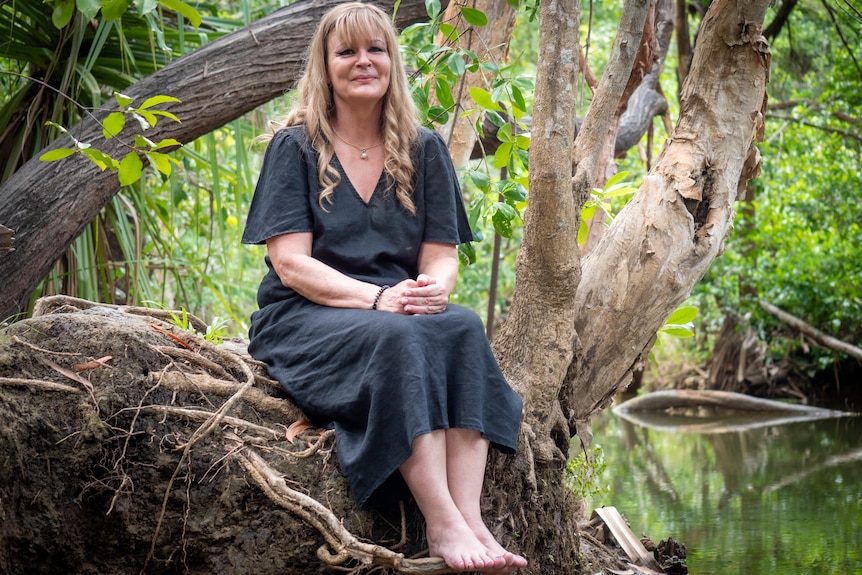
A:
49, 204
662, 243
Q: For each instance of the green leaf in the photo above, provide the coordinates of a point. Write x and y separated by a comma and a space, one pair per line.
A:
444, 93
506, 210
583, 232
58, 154
114, 9
113, 124
466, 254
161, 162
122, 99
145, 7
483, 99
89, 8
131, 167
456, 64
449, 31
62, 13
518, 98
504, 134
438, 114
101, 159
616, 178
676, 331
502, 224
480, 178
167, 143
181, 7
474, 17
142, 142
156, 100
501, 156
683, 315
432, 7
166, 115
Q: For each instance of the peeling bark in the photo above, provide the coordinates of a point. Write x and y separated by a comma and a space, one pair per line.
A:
662, 243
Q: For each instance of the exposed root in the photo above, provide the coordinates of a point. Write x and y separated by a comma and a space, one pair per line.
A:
342, 545
38, 384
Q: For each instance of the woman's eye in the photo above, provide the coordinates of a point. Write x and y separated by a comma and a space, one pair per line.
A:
347, 52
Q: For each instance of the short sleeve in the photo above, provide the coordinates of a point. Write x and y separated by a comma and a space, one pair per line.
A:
446, 218
281, 198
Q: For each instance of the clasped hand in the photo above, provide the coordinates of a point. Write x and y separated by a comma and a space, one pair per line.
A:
421, 296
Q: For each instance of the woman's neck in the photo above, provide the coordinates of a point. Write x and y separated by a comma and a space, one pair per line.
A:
359, 126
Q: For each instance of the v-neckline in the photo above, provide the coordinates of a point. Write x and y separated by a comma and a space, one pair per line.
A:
344, 175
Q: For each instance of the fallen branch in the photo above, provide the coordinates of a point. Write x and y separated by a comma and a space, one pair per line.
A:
814, 333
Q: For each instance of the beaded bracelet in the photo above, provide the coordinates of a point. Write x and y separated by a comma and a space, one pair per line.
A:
382, 289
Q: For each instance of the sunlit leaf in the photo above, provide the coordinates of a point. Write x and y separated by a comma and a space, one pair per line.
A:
677, 331
113, 124
101, 159
483, 99
161, 162
122, 99
432, 8
187, 11
58, 154
131, 167
683, 315
156, 100
501, 156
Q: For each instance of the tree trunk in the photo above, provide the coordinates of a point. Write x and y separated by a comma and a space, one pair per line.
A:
662, 243
49, 204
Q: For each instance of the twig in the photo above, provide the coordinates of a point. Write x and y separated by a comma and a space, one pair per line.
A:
39, 384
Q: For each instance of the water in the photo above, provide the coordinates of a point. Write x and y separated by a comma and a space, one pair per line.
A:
773, 499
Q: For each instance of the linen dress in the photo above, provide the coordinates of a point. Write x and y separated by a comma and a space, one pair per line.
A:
380, 379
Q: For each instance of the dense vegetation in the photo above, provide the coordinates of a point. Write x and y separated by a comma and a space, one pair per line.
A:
172, 239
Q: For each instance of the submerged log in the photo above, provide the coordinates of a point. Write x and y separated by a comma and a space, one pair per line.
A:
714, 411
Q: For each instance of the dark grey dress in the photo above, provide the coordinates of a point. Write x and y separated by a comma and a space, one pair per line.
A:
380, 378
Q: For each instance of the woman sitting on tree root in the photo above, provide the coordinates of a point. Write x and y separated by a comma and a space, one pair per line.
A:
361, 212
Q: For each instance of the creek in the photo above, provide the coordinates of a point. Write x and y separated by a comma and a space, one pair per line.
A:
745, 494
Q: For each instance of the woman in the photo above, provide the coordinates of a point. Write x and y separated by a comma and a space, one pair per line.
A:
360, 211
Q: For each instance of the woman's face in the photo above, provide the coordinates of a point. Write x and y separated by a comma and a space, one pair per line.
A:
359, 73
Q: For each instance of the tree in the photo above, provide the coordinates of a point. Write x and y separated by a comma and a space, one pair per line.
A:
574, 332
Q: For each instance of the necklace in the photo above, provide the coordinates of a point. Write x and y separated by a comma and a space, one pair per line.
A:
363, 151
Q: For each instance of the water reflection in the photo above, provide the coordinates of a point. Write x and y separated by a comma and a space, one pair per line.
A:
773, 499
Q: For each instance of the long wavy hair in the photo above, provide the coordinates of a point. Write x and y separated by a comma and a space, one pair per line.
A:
314, 105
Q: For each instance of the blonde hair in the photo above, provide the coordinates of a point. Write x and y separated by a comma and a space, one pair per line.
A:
314, 106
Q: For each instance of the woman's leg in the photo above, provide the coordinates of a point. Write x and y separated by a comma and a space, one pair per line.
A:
466, 459
449, 536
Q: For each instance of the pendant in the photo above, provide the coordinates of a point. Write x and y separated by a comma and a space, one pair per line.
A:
363, 155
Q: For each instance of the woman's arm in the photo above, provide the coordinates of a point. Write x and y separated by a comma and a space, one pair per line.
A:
290, 255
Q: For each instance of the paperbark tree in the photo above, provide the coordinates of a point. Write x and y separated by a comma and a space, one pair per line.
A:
574, 331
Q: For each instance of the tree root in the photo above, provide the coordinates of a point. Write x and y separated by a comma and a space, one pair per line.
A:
346, 546
38, 384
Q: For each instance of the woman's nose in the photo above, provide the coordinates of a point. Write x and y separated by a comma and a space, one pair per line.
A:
363, 60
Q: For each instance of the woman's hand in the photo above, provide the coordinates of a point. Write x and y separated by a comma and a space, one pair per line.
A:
421, 296
426, 296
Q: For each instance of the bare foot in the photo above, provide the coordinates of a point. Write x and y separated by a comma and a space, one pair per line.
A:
511, 561
459, 547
